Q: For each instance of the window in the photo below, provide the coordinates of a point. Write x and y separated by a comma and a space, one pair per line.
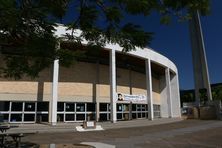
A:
42, 106
29, 117
70, 107
119, 116
104, 112
45, 117
16, 117
4, 105
70, 117
139, 111
103, 107
60, 106
60, 117
17, 106
80, 117
103, 117
4, 117
119, 107
156, 110
134, 107
29, 106
80, 107
91, 107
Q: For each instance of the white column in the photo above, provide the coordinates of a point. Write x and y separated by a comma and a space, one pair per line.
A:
112, 74
178, 95
97, 90
149, 89
169, 96
53, 102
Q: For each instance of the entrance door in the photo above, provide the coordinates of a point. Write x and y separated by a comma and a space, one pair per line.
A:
139, 111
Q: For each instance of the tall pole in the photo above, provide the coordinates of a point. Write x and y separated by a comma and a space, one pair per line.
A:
201, 74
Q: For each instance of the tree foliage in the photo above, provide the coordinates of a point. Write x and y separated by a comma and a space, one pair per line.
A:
29, 45
189, 96
217, 92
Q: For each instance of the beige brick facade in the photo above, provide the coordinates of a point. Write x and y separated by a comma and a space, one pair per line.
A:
80, 83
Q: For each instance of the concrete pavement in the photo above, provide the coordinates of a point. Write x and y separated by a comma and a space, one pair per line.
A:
71, 127
136, 133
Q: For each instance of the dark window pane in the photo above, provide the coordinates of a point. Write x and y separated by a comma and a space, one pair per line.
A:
119, 107
134, 107
143, 107
125, 107
29, 106
103, 107
70, 107
126, 116
70, 117
91, 116
3, 117
139, 115
91, 107
80, 116
29, 117
138, 108
119, 116
134, 115
16, 106
143, 115
16, 117
45, 117
60, 106
80, 107
4, 105
154, 107
103, 117
42, 118
60, 117
43, 106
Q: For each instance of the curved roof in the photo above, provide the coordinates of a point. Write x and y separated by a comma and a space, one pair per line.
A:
144, 53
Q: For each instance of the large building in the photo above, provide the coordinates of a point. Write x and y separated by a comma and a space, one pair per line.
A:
107, 86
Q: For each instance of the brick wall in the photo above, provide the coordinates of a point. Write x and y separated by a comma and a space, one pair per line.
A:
81, 82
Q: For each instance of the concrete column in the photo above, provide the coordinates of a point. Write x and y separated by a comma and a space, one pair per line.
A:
175, 95
97, 89
178, 94
97, 111
53, 101
149, 89
130, 81
112, 74
169, 95
201, 74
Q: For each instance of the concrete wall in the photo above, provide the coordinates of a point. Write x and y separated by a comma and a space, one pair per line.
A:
156, 91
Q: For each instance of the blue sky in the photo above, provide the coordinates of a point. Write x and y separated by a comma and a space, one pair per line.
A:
173, 42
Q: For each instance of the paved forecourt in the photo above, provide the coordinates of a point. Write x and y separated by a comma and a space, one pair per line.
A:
183, 133
71, 127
